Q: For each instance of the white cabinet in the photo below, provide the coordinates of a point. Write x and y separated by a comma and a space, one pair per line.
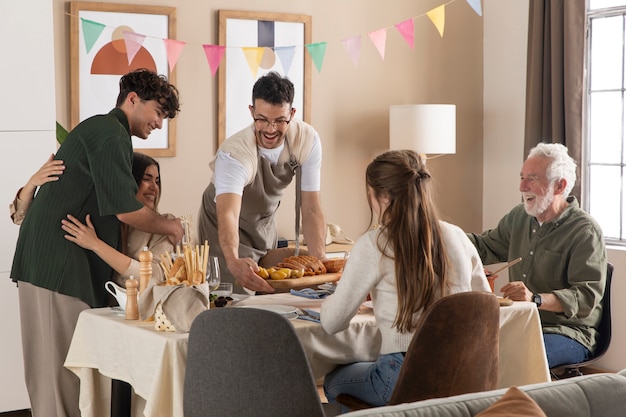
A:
27, 70
27, 134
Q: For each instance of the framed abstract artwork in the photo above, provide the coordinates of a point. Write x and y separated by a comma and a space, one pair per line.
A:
109, 40
256, 43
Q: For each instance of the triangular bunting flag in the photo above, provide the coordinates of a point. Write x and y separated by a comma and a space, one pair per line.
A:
91, 32
253, 55
379, 39
133, 42
407, 31
173, 49
438, 17
285, 54
317, 52
475, 4
353, 46
214, 54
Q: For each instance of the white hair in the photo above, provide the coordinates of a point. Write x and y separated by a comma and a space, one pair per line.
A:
562, 166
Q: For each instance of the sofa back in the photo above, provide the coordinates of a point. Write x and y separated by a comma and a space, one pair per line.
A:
597, 395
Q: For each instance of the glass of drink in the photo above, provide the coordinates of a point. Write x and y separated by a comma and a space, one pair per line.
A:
213, 273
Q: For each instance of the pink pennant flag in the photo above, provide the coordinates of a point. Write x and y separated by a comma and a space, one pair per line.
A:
214, 54
133, 42
407, 31
353, 46
173, 49
438, 17
379, 39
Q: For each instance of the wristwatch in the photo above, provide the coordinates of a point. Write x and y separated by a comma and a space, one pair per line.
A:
536, 299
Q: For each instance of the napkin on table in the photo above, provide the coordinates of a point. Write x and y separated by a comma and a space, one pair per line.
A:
181, 304
310, 293
310, 315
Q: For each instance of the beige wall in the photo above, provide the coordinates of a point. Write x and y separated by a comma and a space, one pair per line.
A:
349, 105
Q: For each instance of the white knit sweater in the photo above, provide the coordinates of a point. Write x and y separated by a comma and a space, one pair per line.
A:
368, 272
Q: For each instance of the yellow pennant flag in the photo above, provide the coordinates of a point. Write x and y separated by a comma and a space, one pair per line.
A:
254, 56
438, 17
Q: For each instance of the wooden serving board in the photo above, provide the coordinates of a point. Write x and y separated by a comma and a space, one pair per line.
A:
283, 285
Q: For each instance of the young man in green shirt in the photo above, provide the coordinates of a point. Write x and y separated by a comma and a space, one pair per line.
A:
56, 278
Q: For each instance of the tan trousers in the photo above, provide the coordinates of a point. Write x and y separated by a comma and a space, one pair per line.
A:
48, 320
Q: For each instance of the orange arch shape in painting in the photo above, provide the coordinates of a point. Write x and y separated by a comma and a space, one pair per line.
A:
112, 59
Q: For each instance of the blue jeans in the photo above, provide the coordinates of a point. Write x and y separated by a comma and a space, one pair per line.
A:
371, 382
561, 350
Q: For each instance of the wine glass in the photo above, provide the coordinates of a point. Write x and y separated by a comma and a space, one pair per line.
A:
213, 273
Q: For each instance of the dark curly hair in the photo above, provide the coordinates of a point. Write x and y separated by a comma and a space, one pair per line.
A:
274, 89
150, 86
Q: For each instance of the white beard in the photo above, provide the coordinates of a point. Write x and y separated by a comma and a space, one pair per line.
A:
540, 204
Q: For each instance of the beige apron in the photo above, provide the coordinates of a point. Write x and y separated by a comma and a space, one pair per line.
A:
260, 200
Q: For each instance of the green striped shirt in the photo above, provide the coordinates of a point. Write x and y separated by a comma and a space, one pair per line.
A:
98, 181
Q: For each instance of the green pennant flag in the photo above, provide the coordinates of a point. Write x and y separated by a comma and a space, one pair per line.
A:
91, 32
317, 52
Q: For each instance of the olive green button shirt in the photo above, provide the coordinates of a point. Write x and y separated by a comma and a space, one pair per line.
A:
565, 257
98, 181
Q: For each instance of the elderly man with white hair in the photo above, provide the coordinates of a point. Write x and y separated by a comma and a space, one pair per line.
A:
564, 262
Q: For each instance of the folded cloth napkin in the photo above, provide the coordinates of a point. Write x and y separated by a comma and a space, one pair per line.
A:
311, 293
310, 315
181, 304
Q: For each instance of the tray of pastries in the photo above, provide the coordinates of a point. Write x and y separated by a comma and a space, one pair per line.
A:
302, 271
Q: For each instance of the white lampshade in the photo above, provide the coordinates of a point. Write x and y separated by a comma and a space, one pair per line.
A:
424, 128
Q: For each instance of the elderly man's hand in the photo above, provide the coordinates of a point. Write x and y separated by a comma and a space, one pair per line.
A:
517, 291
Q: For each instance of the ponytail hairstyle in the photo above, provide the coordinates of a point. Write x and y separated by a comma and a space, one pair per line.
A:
410, 233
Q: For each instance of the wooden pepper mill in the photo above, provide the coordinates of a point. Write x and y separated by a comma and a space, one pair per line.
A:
145, 268
132, 309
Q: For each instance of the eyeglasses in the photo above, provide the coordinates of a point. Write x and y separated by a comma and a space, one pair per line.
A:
262, 123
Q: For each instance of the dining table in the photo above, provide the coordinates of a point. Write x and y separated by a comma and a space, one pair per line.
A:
107, 347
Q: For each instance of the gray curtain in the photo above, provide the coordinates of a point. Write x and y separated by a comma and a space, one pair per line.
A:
554, 81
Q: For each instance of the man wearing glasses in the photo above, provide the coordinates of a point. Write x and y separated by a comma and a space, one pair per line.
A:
251, 170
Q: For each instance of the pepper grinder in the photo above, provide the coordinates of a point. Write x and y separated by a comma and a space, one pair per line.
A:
132, 309
145, 268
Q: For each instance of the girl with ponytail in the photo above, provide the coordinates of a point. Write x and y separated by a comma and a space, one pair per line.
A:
407, 261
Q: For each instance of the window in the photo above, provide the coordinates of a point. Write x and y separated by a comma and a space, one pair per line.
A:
604, 167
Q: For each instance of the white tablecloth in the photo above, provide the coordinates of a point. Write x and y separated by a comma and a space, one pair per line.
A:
106, 346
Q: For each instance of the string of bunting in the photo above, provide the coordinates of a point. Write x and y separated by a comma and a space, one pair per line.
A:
215, 53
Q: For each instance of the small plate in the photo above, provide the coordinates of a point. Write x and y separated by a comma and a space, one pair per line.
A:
328, 286
289, 312
239, 297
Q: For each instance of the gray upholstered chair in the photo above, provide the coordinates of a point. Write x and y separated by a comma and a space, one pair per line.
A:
454, 351
247, 362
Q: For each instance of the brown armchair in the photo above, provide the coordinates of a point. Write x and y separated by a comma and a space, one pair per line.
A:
454, 351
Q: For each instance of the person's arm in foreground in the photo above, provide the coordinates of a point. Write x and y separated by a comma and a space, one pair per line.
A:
243, 269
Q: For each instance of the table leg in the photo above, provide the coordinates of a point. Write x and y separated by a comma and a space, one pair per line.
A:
120, 398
